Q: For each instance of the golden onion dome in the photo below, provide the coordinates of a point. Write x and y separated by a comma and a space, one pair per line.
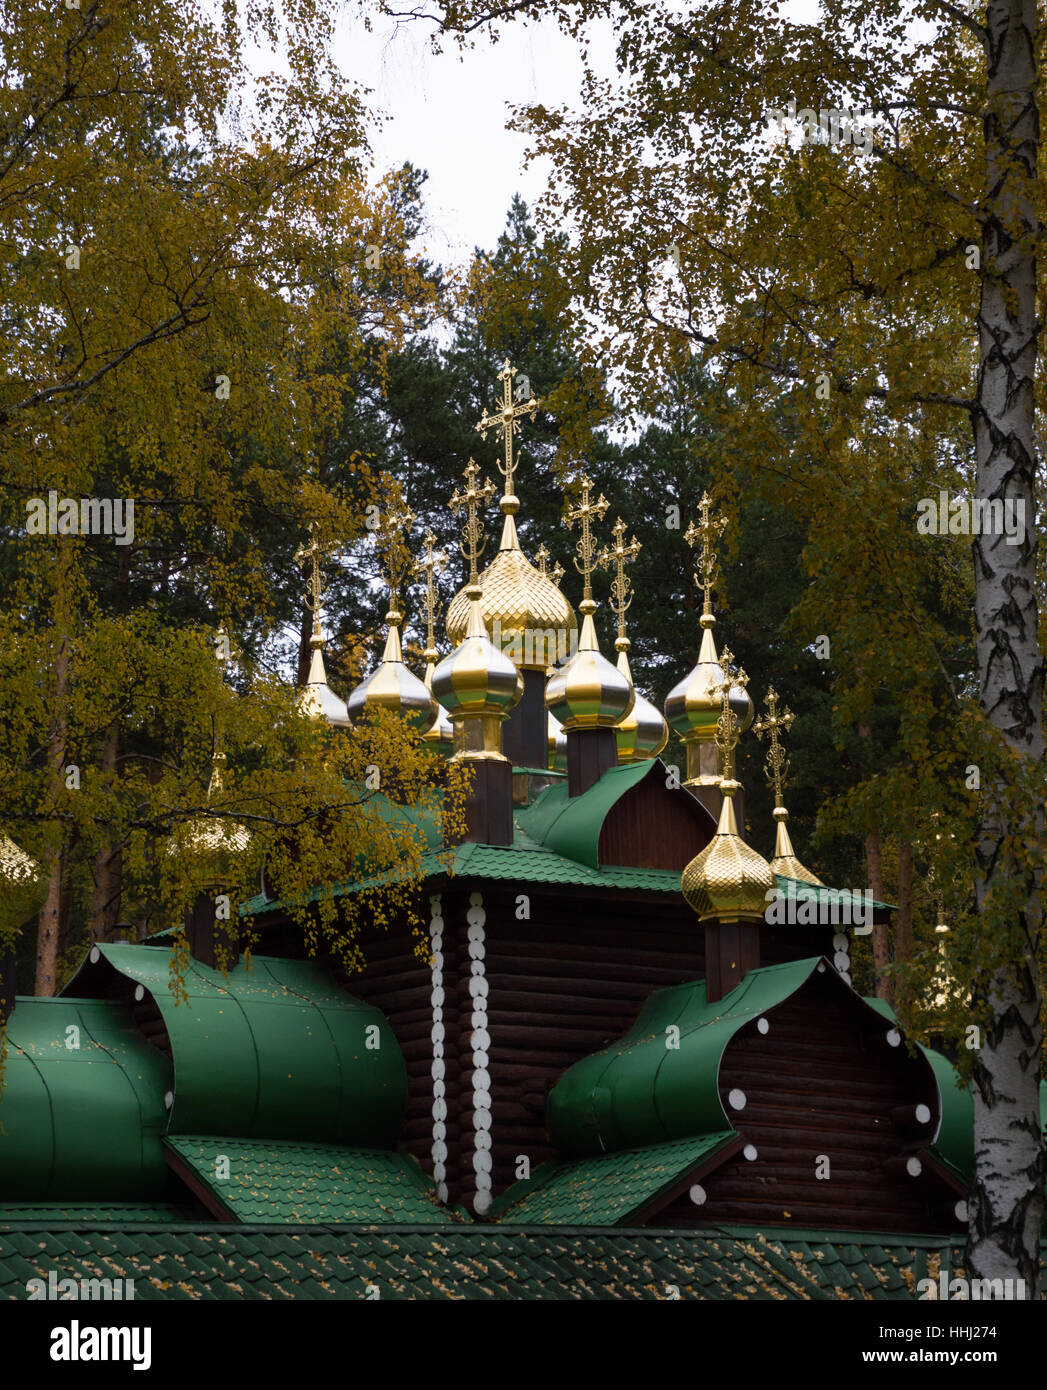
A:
23, 886
693, 706
476, 679
589, 693
522, 609
15, 865
211, 839
785, 861
728, 880
391, 686
642, 733
317, 699
557, 760
440, 733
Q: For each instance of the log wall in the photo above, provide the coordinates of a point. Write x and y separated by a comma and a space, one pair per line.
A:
563, 985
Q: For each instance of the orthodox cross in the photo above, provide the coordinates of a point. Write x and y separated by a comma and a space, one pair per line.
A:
586, 544
314, 589
556, 573
428, 566
508, 418
474, 540
727, 724
394, 551
707, 532
619, 555
775, 724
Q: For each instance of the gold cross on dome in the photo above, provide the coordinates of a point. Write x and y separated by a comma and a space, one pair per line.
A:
394, 549
621, 590
542, 558
727, 724
428, 566
474, 541
707, 532
508, 418
314, 587
586, 544
775, 724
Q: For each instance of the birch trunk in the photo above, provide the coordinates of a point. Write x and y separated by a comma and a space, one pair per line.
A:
1007, 1203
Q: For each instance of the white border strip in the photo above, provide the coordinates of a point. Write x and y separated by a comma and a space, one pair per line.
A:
480, 1041
436, 1034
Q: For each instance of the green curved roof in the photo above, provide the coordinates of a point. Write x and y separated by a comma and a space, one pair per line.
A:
639, 1091
275, 1050
571, 825
81, 1122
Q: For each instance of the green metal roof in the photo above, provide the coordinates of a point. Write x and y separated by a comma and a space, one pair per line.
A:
312, 1184
604, 1191
275, 1050
481, 1263
642, 1091
82, 1109
555, 841
571, 825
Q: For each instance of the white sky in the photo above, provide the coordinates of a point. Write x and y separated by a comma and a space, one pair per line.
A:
448, 114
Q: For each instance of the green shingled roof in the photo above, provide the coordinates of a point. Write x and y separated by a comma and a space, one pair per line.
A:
834, 904
16, 1215
311, 1184
608, 1190
555, 841
524, 861
483, 1263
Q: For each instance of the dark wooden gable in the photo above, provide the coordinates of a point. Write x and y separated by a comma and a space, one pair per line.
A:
654, 827
829, 1120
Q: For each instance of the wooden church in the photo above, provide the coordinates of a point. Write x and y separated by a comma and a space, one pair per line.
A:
621, 1072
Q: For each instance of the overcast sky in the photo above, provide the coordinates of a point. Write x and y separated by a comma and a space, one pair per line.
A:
448, 114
